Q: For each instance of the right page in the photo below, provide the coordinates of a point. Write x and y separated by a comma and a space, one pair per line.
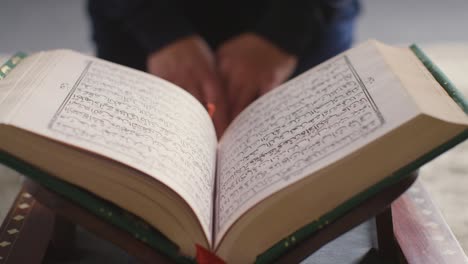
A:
305, 125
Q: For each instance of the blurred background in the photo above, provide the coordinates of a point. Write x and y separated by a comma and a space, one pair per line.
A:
37, 25
440, 27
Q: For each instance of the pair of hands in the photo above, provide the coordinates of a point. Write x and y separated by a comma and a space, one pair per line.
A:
231, 77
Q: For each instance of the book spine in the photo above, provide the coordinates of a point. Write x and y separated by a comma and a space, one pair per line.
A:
11, 64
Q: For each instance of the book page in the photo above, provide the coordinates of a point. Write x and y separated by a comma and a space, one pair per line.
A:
305, 125
130, 116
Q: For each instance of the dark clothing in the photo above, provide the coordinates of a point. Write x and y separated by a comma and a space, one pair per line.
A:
127, 31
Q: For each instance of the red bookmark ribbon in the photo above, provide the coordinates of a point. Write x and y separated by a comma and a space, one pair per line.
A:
205, 256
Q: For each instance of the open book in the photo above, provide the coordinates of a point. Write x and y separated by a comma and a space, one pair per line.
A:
292, 156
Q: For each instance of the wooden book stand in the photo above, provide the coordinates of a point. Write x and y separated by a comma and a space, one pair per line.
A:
40, 219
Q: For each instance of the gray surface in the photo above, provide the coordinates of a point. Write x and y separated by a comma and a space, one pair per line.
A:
421, 21
348, 248
33, 25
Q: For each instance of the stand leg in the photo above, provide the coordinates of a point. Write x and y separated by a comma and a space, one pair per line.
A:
62, 244
64, 234
388, 248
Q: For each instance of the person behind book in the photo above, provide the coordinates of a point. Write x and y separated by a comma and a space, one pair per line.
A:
225, 53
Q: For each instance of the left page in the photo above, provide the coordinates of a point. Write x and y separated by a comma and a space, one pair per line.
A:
123, 114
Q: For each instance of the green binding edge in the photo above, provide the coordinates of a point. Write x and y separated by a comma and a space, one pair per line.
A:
11, 64
99, 207
441, 78
303, 233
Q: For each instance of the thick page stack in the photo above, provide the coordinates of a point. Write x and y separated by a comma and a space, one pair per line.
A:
295, 159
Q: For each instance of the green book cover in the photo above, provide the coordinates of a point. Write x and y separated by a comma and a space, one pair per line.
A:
159, 242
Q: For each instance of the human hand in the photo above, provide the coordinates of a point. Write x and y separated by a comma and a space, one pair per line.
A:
190, 64
251, 66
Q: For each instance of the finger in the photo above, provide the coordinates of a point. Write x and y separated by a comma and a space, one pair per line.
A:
196, 91
211, 87
221, 118
241, 94
237, 83
192, 86
266, 87
194, 81
215, 95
